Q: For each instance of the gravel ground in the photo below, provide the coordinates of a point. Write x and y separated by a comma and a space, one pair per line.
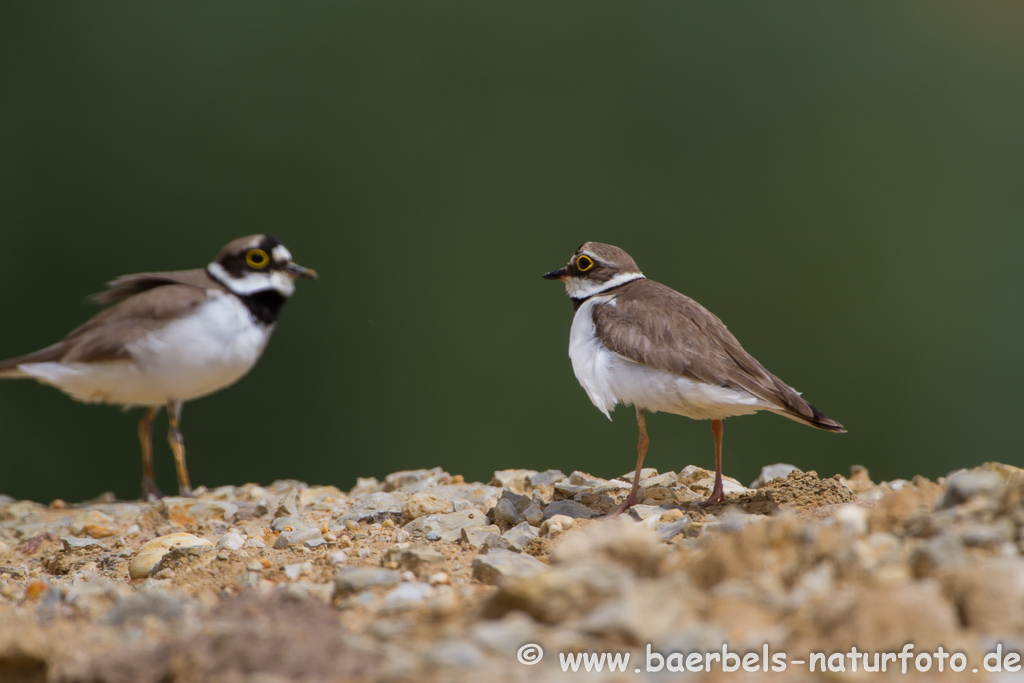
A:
425, 577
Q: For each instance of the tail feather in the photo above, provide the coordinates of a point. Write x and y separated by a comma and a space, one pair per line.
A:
823, 421
55, 352
818, 419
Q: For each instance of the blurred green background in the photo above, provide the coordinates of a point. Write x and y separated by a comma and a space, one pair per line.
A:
841, 183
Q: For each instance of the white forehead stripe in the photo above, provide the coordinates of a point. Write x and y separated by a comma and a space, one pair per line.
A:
281, 254
581, 288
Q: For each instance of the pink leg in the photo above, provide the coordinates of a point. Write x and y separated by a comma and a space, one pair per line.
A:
177, 442
641, 453
149, 489
718, 494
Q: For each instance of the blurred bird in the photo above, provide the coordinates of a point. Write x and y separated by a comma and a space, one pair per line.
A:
173, 336
638, 342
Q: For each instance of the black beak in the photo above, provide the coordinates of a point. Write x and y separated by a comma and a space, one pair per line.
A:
556, 274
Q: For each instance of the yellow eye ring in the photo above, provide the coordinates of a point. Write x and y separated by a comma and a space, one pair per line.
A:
584, 263
257, 258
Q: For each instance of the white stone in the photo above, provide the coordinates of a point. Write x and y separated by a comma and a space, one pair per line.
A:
230, 541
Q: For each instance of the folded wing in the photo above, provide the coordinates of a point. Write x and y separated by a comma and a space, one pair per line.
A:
107, 336
654, 325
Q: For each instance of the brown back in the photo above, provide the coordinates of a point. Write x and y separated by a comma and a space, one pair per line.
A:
657, 326
153, 300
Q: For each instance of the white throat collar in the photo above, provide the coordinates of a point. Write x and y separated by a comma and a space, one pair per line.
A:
252, 283
580, 288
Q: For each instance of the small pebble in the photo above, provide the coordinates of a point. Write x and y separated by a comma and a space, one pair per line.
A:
357, 579
494, 540
249, 580
499, 564
505, 513
231, 542
534, 515
556, 525
73, 542
407, 595
779, 470
666, 532
964, 485
290, 538
293, 571
511, 479
476, 536
569, 508
671, 515
153, 551
289, 524
852, 519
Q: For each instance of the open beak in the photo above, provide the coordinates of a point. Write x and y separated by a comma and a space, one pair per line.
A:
295, 270
559, 274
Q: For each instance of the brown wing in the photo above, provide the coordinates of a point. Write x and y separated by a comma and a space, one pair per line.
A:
129, 285
106, 335
657, 326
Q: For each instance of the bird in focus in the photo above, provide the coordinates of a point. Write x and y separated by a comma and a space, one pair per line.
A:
638, 342
171, 337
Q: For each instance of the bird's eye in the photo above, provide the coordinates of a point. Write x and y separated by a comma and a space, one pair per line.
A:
257, 258
584, 263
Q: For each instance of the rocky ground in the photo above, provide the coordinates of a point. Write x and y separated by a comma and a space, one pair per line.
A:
426, 577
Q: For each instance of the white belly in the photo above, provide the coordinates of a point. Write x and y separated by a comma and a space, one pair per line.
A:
189, 358
610, 379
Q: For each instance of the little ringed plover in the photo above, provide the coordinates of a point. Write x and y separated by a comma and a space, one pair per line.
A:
637, 342
171, 337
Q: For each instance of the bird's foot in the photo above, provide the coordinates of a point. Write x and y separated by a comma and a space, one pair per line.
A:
185, 491
150, 493
626, 504
711, 501
717, 495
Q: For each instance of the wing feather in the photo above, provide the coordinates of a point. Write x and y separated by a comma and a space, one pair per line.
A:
130, 285
654, 325
106, 336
